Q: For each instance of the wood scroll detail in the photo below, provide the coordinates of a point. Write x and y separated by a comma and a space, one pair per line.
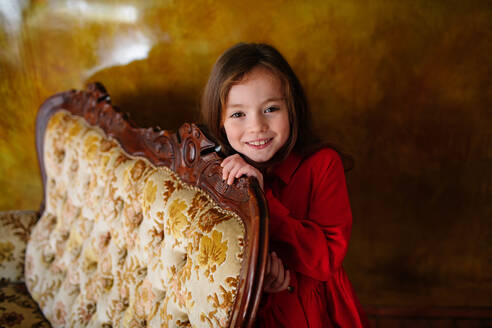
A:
190, 154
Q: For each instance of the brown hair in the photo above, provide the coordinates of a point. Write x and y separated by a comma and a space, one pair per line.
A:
230, 68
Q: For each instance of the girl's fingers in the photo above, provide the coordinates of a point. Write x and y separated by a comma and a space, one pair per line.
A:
248, 171
230, 168
237, 170
240, 171
227, 164
286, 281
281, 274
232, 174
232, 159
234, 166
224, 161
279, 279
225, 170
229, 158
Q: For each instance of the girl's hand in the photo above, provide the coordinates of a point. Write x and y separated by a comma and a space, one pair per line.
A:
234, 166
277, 278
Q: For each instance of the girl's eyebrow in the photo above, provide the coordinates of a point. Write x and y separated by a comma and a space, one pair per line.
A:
264, 102
273, 99
235, 106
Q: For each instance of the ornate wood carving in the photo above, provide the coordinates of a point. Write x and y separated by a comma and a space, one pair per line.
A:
190, 154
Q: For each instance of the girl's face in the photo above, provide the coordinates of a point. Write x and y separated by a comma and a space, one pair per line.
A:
256, 118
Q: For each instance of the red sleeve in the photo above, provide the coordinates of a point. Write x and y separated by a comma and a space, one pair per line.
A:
315, 246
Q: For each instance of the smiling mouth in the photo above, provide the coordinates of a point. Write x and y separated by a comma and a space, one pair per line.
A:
258, 144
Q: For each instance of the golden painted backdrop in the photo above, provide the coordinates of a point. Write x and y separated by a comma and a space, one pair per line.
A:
404, 86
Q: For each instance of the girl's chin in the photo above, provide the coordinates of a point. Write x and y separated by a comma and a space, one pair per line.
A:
258, 158
258, 161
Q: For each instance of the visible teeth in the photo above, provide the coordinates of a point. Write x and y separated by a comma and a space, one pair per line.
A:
259, 143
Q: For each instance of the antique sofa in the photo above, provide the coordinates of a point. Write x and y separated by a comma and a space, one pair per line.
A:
137, 227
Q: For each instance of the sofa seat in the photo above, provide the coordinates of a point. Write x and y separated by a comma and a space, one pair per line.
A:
17, 308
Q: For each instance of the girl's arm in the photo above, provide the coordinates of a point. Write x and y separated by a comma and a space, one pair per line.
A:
315, 246
277, 278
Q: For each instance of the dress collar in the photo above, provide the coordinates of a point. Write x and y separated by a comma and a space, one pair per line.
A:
285, 169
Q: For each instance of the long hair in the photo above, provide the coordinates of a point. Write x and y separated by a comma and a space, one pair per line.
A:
230, 68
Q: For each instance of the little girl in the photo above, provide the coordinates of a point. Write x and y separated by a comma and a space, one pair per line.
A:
254, 105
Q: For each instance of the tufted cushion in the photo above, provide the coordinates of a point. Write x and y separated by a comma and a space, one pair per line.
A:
15, 227
122, 242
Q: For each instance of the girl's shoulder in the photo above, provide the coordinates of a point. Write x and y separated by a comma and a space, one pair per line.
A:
323, 168
323, 158
315, 166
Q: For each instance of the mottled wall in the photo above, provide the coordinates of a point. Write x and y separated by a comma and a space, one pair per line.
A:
404, 86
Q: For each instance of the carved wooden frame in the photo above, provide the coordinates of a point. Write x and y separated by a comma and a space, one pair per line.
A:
190, 154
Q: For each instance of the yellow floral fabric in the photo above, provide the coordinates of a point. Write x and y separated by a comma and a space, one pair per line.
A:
123, 243
15, 227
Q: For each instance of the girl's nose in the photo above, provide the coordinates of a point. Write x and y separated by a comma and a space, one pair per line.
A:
258, 124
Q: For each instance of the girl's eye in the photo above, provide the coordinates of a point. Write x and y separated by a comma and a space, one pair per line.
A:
237, 114
271, 109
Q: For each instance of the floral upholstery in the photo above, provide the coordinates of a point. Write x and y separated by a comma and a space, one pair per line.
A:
124, 243
15, 227
18, 309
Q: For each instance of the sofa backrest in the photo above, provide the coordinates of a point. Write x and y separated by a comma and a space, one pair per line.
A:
137, 227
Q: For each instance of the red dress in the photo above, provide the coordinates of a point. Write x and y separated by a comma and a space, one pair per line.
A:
310, 224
